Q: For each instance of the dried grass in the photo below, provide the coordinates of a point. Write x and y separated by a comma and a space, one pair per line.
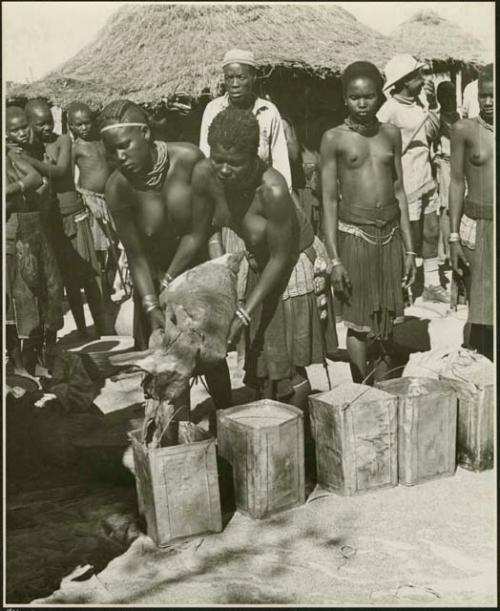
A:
430, 37
148, 52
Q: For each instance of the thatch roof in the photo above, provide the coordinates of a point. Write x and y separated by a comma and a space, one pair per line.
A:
150, 51
63, 91
428, 36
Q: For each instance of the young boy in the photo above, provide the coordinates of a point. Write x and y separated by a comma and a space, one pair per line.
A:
70, 230
366, 220
89, 155
472, 155
448, 115
34, 287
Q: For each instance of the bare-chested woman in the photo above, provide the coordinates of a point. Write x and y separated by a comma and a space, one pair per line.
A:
161, 220
366, 217
284, 329
472, 154
33, 282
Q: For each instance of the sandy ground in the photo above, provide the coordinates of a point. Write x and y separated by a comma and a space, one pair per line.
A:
433, 544
80, 536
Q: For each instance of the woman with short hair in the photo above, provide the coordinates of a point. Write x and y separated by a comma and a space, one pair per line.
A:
285, 329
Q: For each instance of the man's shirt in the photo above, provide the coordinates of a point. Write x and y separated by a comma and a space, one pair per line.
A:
408, 114
272, 144
470, 105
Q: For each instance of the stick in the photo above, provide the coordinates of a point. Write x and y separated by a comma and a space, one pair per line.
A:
105, 227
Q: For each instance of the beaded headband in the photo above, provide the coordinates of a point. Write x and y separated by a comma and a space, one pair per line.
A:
108, 127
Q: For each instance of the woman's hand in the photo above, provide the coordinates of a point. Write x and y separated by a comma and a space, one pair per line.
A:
410, 271
163, 298
457, 258
156, 319
340, 279
234, 333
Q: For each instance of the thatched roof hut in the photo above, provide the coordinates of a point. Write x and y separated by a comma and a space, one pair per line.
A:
150, 51
430, 37
62, 91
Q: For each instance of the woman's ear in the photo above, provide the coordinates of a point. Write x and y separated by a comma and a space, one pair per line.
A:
147, 133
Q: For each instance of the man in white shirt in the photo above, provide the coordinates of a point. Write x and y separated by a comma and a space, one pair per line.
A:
239, 77
418, 129
470, 105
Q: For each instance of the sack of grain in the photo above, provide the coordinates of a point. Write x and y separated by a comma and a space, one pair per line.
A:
199, 308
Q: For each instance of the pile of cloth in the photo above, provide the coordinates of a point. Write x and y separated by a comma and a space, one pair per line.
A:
199, 307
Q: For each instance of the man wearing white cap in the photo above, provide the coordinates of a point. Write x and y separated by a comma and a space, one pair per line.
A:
419, 127
239, 77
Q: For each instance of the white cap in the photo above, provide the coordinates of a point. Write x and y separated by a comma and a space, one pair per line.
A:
398, 67
237, 56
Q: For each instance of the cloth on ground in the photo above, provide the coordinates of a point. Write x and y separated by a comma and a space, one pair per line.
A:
461, 364
71, 383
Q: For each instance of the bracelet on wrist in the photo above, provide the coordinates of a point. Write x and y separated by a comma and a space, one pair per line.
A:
411, 253
243, 315
150, 308
150, 302
453, 237
167, 279
336, 262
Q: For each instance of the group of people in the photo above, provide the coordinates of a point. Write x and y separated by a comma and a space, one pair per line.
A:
173, 205
59, 235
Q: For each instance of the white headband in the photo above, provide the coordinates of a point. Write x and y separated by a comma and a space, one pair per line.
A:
108, 127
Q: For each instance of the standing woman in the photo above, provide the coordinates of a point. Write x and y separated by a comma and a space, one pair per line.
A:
284, 329
472, 155
161, 221
366, 220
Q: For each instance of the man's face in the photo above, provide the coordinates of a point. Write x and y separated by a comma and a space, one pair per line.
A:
42, 123
233, 166
18, 130
239, 80
414, 83
80, 123
129, 147
361, 98
485, 96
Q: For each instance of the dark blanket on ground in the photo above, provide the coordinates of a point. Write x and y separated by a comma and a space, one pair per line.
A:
71, 383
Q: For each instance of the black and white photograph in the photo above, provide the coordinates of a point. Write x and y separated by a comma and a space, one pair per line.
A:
249, 304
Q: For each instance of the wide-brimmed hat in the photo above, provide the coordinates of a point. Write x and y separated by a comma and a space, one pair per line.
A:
238, 56
398, 67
